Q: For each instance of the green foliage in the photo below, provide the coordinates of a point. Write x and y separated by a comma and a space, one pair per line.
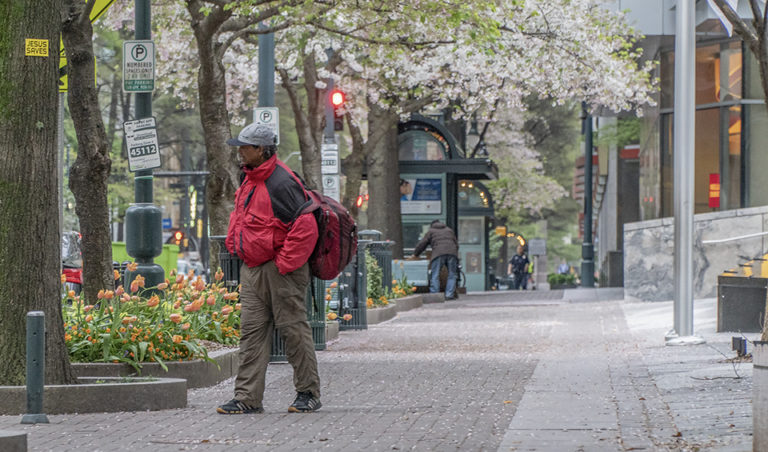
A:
557, 278
375, 278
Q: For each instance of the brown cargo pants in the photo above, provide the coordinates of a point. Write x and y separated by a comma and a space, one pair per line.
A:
269, 300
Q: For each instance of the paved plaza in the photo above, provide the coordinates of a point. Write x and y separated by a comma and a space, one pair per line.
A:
506, 371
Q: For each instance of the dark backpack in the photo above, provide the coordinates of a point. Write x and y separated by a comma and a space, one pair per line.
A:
337, 235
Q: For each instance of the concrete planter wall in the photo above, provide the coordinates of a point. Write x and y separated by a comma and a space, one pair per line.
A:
382, 314
408, 303
331, 331
649, 251
760, 396
198, 373
107, 396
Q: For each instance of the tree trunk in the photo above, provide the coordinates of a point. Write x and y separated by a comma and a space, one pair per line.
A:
30, 253
90, 172
384, 177
223, 169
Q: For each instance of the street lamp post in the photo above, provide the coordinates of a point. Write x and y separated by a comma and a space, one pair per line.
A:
587, 248
143, 220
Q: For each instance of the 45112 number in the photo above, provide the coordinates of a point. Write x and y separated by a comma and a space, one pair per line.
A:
143, 150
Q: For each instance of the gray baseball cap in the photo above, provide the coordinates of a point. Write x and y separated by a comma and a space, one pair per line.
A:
255, 134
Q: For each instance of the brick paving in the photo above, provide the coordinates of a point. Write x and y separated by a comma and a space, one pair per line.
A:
497, 371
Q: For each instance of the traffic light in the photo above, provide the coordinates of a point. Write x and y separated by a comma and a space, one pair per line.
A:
337, 101
178, 236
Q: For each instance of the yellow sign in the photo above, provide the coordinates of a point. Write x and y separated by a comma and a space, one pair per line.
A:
99, 7
501, 230
36, 47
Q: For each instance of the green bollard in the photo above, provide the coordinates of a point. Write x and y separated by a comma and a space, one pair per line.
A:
35, 368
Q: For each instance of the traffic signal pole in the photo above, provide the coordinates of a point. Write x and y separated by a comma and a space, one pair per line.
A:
143, 220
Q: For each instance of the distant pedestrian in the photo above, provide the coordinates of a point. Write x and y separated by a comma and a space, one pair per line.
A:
518, 268
274, 244
563, 268
445, 251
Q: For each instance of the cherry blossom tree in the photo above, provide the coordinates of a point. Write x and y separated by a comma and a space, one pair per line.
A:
392, 59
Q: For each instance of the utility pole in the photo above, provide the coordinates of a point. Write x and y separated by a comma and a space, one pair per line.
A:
143, 220
587, 249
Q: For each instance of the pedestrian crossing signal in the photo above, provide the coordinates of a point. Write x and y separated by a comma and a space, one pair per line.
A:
337, 101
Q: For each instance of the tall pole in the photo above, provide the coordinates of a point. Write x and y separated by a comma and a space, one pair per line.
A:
587, 249
266, 68
143, 220
684, 139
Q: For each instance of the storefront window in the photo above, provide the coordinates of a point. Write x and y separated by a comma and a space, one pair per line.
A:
667, 79
707, 156
718, 73
731, 182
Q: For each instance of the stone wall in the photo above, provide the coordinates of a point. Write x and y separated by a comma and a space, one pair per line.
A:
649, 250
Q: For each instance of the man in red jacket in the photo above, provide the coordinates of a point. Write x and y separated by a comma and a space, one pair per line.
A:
267, 231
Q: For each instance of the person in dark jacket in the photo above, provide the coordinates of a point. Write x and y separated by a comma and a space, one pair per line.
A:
518, 268
274, 240
445, 251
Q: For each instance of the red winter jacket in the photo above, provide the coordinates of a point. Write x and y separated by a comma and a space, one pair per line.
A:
265, 224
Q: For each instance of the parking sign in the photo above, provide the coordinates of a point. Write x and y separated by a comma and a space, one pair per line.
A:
141, 141
270, 117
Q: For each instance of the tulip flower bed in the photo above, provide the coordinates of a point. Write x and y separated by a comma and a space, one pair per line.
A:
161, 324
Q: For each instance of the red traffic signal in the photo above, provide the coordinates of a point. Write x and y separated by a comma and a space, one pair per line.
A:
337, 101
178, 236
337, 98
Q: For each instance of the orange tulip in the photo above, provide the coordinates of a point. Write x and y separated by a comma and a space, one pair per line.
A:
175, 318
177, 339
153, 301
332, 316
132, 266
179, 278
119, 291
116, 274
100, 295
87, 308
334, 285
109, 295
211, 300
89, 318
347, 317
219, 275
186, 326
71, 294
226, 310
237, 306
162, 286
63, 278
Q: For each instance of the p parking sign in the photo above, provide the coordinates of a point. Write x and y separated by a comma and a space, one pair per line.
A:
138, 66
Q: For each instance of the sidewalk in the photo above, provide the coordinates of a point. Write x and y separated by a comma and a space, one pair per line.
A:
544, 371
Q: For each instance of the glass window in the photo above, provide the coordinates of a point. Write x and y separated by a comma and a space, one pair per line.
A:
731, 195
753, 88
755, 149
413, 232
667, 166
471, 231
667, 76
718, 73
707, 156
472, 195
421, 145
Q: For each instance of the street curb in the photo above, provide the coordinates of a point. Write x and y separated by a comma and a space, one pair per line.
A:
139, 394
198, 373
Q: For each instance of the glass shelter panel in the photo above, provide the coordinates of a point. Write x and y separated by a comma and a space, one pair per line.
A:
421, 145
757, 151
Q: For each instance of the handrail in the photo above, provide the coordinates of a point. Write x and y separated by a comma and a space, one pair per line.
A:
732, 239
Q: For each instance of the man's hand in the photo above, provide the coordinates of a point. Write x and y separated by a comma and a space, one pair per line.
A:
413, 258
